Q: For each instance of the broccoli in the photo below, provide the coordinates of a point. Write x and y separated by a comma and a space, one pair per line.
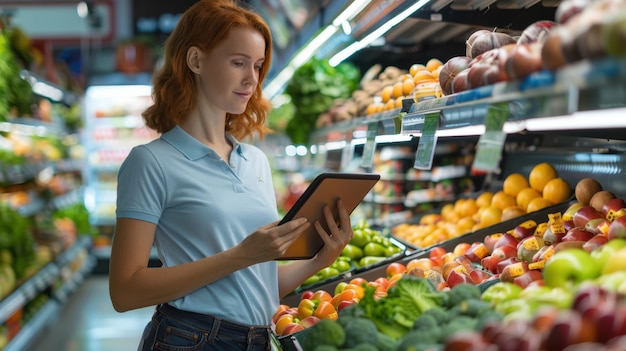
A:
418, 340
362, 347
440, 315
360, 331
396, 313
462, 292
425, 322
385, 342
326, 348
488, 317
472, 307
325, 332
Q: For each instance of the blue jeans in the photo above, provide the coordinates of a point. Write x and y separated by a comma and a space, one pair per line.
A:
174, 330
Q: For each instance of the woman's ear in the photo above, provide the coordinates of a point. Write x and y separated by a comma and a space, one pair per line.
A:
194, 56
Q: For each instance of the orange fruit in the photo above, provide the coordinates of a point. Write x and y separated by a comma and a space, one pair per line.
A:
537, 204
386, 93
524, 197
371, 109
501, 200
557, 190
398, 89
433, 64
407, 86
512, 212
416, 67
490, 216
437, 72
468, 208
484, 199
390, 104
540, 175
399, 101
514, 183
423, 76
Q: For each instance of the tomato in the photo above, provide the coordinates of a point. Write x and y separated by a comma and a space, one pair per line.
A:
382, 281
395, 267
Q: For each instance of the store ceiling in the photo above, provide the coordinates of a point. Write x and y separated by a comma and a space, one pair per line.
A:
442, 34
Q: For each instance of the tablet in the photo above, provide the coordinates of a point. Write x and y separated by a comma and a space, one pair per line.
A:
325, 189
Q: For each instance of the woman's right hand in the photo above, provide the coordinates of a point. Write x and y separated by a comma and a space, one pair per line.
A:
271, 241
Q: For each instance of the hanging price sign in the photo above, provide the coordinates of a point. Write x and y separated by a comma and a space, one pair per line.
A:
347, 154
367, 159
491, 143
427, 143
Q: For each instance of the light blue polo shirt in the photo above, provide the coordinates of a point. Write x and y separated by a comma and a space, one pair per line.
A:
202, 206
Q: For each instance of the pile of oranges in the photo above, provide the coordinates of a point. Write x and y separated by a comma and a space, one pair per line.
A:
420, 78
519, 195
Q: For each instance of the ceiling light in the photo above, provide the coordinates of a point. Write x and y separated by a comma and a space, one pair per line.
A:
377, 33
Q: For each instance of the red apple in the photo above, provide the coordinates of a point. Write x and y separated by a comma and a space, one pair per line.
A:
513, 270
544, 253
611, 323
458, 276
595, 242
568, 215
536, 32
490, 263
490, 241
612, 206
291, 310
569, 328
465, 340
528, 277
550, 237
504, 263
598, 226
478, 276
617, 229
505, 252
525, 230
578, 234
307, 294
344, 304
584, 215
528, 247
506, 240
476, 252
309, 321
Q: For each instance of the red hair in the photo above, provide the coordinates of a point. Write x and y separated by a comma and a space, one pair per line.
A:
205, 25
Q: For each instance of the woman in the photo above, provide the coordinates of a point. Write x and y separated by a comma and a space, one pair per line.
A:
206, 200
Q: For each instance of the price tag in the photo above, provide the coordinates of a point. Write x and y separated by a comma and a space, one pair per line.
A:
347, 154
427, 142
491, 143
367, 159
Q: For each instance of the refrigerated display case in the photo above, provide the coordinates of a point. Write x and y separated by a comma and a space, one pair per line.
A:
113, 126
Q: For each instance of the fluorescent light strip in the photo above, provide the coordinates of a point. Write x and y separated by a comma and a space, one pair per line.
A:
380, 31
309, 50
351, 11
598, 119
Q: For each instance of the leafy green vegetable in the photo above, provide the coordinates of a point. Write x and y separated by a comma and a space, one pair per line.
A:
313, 88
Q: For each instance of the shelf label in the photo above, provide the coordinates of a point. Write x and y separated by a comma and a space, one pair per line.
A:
491, 143
347, 154
367, 159
428, 142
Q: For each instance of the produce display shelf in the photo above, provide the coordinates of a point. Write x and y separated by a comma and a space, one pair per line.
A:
28, 333
69, 287
29, 289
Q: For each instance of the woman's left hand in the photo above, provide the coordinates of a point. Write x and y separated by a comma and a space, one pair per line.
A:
337, 236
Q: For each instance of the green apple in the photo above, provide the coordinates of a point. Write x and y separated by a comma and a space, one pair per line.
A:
570, 267
616, 262
602, 253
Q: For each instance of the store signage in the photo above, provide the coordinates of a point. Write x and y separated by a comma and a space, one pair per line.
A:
427, 142
491, 143
367, 158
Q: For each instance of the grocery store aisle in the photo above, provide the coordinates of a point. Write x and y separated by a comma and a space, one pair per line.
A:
88, 322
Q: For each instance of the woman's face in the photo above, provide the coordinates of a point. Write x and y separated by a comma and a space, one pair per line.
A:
229, 74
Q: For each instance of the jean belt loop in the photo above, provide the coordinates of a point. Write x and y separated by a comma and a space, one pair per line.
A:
215, 328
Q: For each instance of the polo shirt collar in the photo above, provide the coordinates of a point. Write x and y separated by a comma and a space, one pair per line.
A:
192, 148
